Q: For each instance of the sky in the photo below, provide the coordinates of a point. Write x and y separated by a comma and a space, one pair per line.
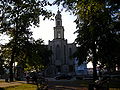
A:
46, 31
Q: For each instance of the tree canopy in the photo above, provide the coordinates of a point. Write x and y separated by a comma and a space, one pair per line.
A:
98, 31
37, 56
16, 17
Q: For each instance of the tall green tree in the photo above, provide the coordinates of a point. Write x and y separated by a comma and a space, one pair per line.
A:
96, 29
1, 66
38, 56
16, 17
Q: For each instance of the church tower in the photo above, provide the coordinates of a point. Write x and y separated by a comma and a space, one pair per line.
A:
58, 29
60, 61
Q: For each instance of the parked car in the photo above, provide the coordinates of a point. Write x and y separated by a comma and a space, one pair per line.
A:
63, 76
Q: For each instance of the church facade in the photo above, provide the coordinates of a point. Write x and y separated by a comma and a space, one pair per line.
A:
60, 61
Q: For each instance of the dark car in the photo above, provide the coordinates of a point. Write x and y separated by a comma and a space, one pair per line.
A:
63, 76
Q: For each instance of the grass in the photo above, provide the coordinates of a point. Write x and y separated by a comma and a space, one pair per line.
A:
22, 87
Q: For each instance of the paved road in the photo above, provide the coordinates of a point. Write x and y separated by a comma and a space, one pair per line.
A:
64, 85
53, 79
67, 88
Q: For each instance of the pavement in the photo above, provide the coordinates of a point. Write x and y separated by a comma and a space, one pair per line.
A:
66, 88
64, 85
53, 79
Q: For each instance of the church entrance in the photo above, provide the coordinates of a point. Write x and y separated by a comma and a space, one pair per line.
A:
58, 69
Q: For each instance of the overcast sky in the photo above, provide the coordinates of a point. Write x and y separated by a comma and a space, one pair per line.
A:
46, 32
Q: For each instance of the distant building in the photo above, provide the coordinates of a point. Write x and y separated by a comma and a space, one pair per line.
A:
60, 61
81, 69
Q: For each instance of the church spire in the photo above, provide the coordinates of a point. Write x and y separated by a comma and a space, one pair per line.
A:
58, 18
58, 29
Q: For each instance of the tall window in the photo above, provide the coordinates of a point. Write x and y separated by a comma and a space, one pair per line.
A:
58, 68
57, 52
70, 68
64, 54
50, 47
51, 56
70, 52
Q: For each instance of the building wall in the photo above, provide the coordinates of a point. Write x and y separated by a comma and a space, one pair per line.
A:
63, 62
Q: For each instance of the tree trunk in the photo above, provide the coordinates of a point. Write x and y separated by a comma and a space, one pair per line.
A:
94, 62
94, 69
11, 65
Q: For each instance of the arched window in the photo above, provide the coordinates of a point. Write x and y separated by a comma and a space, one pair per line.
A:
70, 52
50, 47
64, 54
57, 52
70, 68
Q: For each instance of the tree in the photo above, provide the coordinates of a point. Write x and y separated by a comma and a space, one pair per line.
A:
38, 56
96, 30
1, 66
15, 20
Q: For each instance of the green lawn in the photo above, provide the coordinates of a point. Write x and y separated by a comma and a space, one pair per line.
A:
19, 87
23, 87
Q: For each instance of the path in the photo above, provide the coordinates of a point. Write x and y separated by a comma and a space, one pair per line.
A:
66, 88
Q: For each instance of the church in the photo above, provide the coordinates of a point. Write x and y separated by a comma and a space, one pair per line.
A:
60, 61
